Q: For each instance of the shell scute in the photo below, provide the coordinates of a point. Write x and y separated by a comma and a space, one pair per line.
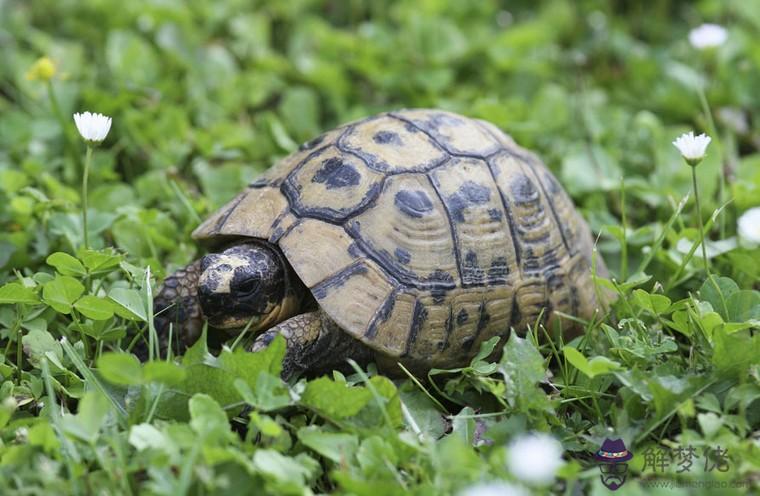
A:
387, 145
458, 135
410, 218
329, 173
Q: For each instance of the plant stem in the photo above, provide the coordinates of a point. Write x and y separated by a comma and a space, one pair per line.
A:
83, 335
721, 156
85, 175
19, 346
699, 216
624, 241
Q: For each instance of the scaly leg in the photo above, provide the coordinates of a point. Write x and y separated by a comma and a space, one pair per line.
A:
177, 303
315, 344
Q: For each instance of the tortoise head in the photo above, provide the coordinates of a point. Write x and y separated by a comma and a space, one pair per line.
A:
247, 282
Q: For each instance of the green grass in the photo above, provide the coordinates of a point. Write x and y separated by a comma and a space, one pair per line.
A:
206, 95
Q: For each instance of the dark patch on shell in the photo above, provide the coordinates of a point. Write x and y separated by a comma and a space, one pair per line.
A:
494, 214
515, 315
335, 173
387, 137
499, 270
523, 189
354, 250
439, 295
440, 276
463, 317
554, 188
261, 182
484, 318
402, 256
419, 316
531, 263
381, 316
415, 203
472, 273
470, 193
322, 289
442, 345
411, 127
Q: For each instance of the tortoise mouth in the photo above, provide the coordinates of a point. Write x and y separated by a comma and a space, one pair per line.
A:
232, 324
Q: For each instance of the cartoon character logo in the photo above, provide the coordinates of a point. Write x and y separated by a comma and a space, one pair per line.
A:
612, 458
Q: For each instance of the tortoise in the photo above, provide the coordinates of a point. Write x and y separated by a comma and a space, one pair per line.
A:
408, 237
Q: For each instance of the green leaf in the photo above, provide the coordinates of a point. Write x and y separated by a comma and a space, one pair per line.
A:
168, 373
270, 392
37, 343
680, 322
7, 407
591, 368
669, 391
423, 411
130, 58
710, 424
523, 366
743, 305
66, 265
207, 418
375, 455
144, 436
61, 293
120, 368
479, 363
100, 261
42, 434
734, 354
716, 290
281, 468
334, 399
337, 447
129, 304
654, 303
221, 377
381, 409
94, 307
248, 366
266, 425
85, 425
14, 292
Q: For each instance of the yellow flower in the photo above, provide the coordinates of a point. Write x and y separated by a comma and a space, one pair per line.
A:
42, 70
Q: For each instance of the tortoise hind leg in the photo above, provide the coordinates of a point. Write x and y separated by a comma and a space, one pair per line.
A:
315, 344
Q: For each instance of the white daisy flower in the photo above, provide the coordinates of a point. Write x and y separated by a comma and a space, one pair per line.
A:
92, 127
749, 226
535, 458
707, 36
494, 489
692, 147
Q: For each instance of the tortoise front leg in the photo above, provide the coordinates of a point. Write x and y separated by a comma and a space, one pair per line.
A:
315, 344
177, 303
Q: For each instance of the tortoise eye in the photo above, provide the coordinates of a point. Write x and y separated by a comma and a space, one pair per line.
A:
246, 287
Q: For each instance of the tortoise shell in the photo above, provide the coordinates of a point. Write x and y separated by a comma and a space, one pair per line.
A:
421, 233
